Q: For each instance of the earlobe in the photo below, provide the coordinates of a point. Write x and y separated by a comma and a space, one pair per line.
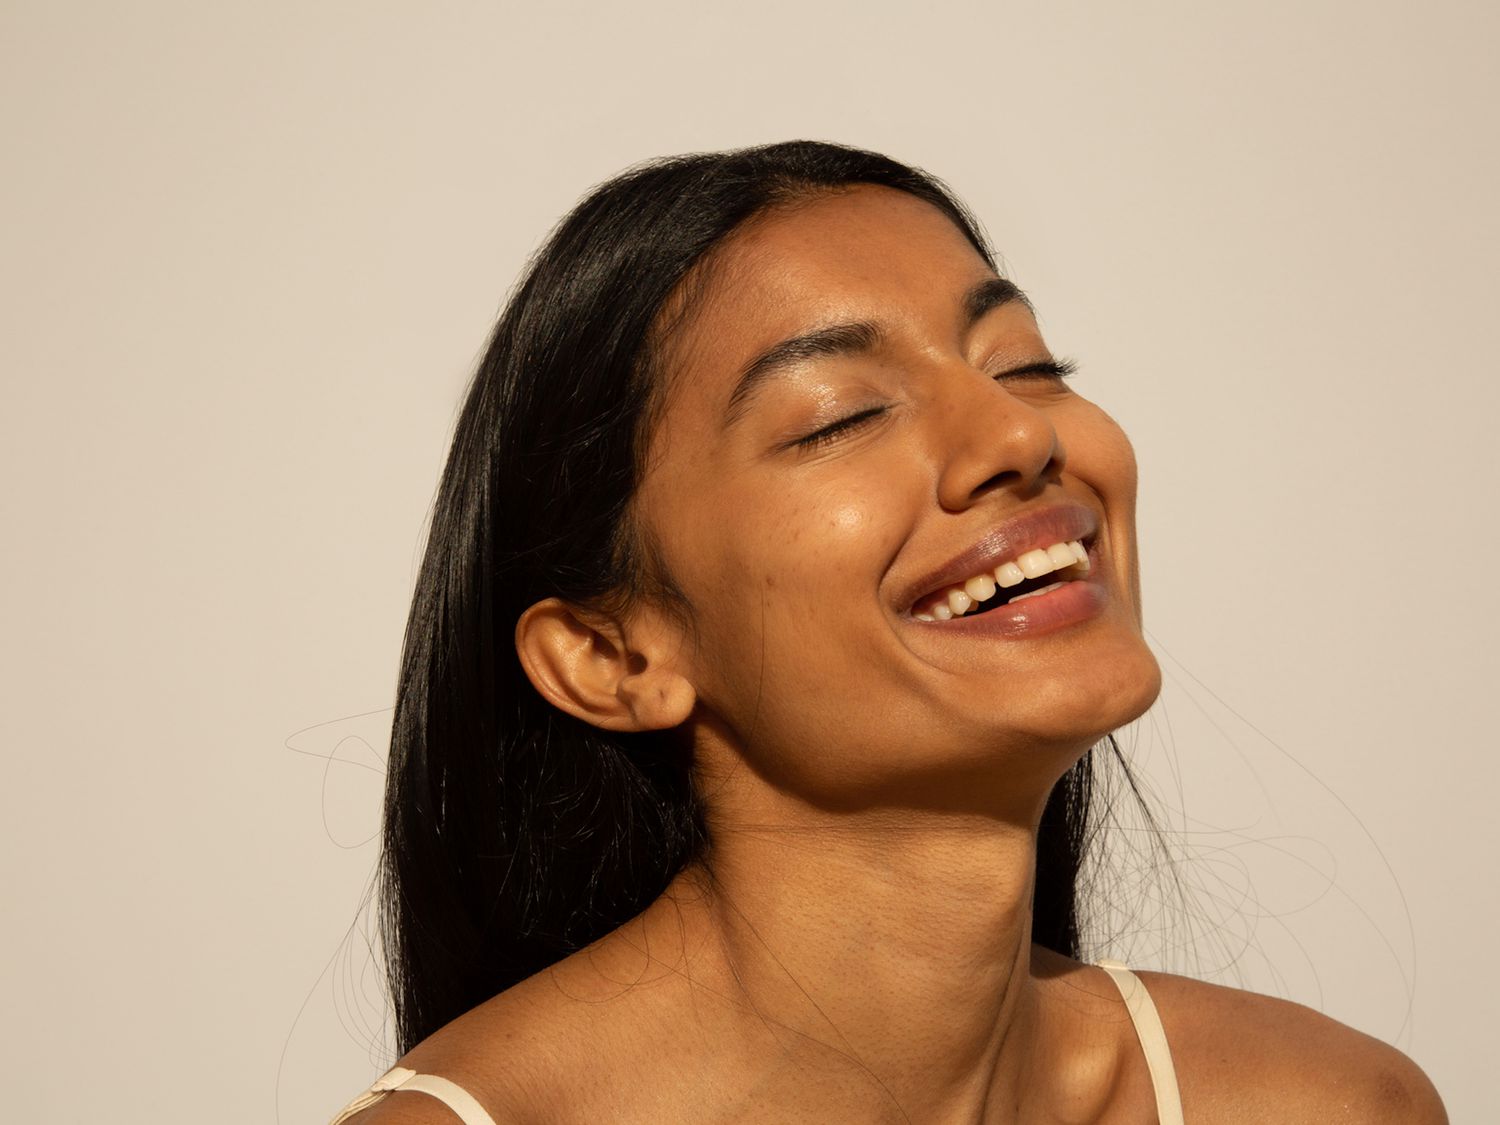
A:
584, 663
666, 703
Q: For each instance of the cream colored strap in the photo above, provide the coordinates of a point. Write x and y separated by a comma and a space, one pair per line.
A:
451, 1094
1153, 1037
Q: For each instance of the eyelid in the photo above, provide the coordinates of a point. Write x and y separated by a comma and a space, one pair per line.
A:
833, 429
1046, 368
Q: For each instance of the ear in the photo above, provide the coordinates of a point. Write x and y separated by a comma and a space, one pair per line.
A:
613, 674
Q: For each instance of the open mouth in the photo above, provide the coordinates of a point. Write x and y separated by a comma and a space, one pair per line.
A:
1026, 576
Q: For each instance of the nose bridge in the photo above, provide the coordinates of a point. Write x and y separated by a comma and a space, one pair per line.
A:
985, 437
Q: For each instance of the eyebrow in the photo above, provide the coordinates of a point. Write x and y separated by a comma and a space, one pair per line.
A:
854, 338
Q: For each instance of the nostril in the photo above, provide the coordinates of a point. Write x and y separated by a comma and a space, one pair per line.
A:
1004, 443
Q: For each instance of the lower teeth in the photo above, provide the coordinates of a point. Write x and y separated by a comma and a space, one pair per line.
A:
1033, 593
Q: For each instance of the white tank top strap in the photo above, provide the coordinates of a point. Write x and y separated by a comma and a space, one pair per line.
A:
451, 1094
1153, 1037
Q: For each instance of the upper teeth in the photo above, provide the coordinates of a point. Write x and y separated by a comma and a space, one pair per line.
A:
965, 596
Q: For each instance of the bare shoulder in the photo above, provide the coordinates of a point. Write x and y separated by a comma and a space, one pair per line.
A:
547, 1050
1244, 1056
405, 1109
496, 1053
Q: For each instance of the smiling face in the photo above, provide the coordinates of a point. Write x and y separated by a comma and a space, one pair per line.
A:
860, 418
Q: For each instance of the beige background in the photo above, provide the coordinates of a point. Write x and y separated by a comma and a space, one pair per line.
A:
251, 251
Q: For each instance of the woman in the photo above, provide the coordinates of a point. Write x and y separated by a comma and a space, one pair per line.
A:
777, 591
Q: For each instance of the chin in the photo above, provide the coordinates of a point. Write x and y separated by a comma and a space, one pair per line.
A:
1075, 711
1012, 759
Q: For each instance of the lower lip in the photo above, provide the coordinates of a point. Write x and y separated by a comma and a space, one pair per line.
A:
1070, 604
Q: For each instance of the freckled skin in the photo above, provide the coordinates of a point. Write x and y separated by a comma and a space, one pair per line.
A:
844, 699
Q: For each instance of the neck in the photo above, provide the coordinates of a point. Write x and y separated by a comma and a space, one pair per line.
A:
893, 948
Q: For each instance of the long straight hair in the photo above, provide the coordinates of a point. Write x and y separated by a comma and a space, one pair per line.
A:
515, 834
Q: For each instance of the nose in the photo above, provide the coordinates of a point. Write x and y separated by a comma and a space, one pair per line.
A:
988, 439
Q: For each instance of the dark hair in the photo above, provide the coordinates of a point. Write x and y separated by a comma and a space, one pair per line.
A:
514, 833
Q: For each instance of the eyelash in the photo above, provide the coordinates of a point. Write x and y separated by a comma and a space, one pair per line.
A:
1048, 369
828, 433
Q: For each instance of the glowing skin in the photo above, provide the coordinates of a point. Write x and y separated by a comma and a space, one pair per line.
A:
871, 753
799, 635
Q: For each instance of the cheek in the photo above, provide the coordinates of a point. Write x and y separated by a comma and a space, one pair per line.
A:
802, 547
1101, 456
777, 532
772, 586
1098, 451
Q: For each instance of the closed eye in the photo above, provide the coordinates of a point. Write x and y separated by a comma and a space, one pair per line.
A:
1054, 369
834, 429
1046, 369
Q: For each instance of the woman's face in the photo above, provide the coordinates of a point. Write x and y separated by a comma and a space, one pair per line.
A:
820, 513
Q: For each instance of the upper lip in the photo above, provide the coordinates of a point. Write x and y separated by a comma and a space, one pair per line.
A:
1025, 531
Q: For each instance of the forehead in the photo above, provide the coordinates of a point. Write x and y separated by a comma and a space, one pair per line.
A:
866, 246
867, 253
